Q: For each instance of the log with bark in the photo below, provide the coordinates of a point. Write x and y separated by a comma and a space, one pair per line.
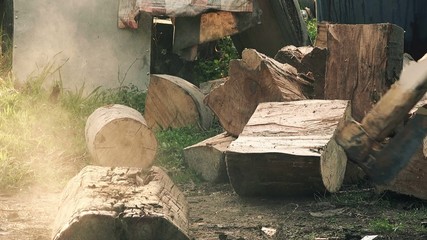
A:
278, 152
121, 203
363, 61
254, 79
310, 63
207, 158
118, 136
173, 102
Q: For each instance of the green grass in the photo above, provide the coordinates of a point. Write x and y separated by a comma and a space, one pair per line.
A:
171, 145
42, 141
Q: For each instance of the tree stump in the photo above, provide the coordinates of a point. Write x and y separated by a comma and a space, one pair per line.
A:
121, 203
118, 136
207, 158
254, 79
278, 152
310, 63
173, 102
362, 63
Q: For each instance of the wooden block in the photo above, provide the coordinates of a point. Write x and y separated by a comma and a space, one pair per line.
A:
173, 102
254, 79
118, 136
207, 158
363, 61
310, 63
121, 203
278, 152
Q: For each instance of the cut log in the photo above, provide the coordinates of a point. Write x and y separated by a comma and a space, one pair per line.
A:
363, 62
254, 79
121, 203
310, 63
207, 158
173, 102
118, 136
278, 152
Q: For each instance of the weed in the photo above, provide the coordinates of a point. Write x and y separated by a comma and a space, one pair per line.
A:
312, 29
383, 226
171, 145
217, 66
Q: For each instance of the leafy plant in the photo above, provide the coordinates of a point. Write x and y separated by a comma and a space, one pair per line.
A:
312, 28
216, 65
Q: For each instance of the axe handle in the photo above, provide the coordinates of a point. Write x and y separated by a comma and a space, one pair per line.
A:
392, 109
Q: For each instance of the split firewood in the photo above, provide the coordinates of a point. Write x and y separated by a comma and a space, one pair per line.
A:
310, 63
118, 136
363, 61
278, 153
121, 203
254, 79
207, 158
173, 102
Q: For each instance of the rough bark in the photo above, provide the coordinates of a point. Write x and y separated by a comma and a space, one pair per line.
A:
173, 102
121, 203
118, 136
207, 158
278, 152
363, 61
310, 63
254, 79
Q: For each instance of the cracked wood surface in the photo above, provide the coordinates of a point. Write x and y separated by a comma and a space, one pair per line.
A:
121, 203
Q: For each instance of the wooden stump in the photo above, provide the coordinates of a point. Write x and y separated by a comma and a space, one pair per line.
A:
173, 102
207, 158
363, 61
121, 203
254, 79
118, 136
310, 63
278, 152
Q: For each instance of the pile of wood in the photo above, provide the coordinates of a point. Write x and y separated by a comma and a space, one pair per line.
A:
287, 143
124, 196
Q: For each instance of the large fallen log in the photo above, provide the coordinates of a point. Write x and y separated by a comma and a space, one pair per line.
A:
363, 61
278, 152
121, 203
118, 136
207, 158
254, 79
173, 102
310, 63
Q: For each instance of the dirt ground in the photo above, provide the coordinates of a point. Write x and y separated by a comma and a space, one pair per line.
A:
216, 212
